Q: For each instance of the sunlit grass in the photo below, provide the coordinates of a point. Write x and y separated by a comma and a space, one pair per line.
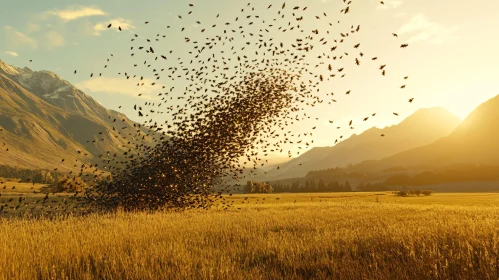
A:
321, 236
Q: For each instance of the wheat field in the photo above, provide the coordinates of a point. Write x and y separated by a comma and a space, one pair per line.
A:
320, 236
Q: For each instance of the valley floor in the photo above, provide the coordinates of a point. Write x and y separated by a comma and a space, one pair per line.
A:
320, 236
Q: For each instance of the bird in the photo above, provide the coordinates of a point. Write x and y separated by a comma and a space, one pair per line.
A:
232, 93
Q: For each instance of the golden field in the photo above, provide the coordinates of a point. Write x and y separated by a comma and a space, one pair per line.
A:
320, 236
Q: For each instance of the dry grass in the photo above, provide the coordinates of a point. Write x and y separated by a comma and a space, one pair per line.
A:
331, 236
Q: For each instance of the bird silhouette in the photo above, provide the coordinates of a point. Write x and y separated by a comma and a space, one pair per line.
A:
244, 88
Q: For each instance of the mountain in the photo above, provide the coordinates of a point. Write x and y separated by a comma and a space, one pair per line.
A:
422, 127
475, 140
44, 119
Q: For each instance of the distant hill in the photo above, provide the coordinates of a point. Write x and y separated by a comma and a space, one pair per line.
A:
422, 127
475, 140
44, 119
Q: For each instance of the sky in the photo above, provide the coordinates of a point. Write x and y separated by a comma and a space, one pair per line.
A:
451, 61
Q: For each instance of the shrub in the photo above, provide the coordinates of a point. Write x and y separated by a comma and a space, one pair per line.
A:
416, 192
65, 184
427, 192
403, 193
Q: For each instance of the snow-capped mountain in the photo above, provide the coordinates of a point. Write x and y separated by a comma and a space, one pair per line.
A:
44, 119
54, 90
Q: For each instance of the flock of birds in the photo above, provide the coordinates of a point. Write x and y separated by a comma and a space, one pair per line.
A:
244, 88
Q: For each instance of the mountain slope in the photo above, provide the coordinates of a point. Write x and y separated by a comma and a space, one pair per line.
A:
45, 119
475, 140
422, 127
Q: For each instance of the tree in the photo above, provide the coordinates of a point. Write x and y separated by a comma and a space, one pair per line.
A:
249, 187
336, 187
313, 188
258, 187
321, 186
48, 178
60, 185
307, 186
361, 186
347, 187
37, 178
264, 187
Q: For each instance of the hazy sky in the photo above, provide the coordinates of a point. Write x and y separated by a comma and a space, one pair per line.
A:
451, 61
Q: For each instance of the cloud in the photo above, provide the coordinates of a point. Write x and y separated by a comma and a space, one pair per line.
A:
54, 39
120, 86
417, 22
32, 27
76, 13
117, 22
12, 53
422, 29
16, 39
85, 28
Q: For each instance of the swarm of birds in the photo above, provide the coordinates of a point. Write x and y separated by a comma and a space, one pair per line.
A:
244, 89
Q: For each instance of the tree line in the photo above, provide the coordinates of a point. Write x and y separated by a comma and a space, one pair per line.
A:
39, 176
457, 173
308, 186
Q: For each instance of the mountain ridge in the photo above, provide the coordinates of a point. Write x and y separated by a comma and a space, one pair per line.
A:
473, 141
418, 129
45, 119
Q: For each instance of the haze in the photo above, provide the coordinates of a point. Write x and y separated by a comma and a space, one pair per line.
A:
451, 61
